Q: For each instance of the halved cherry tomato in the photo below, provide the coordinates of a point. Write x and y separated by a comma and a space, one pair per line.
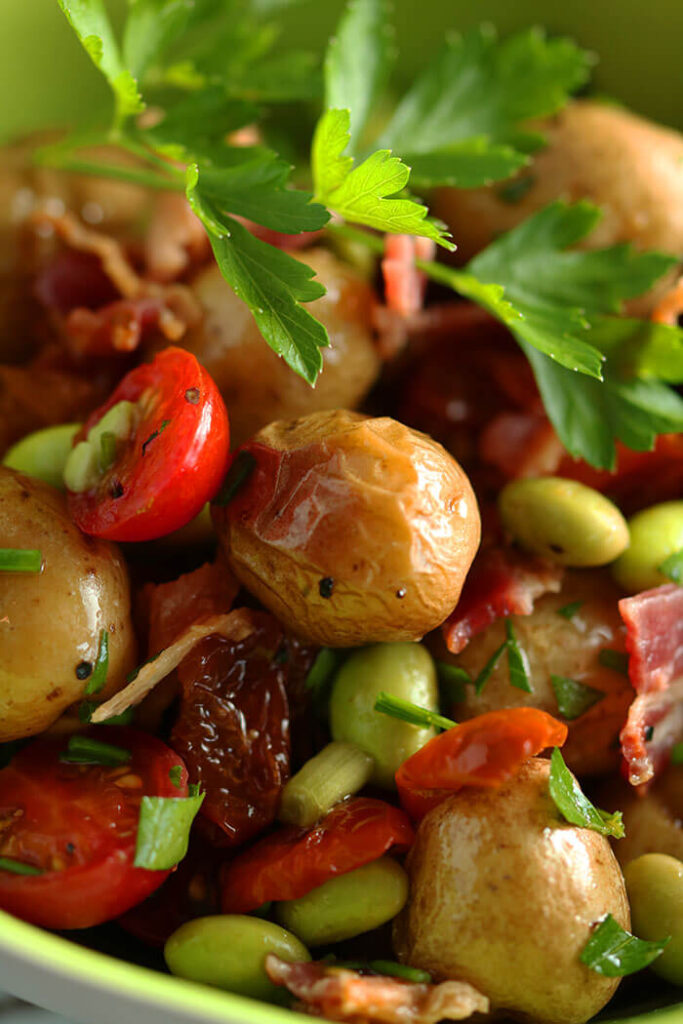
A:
484, 751
292, 861
174, 461
78, 825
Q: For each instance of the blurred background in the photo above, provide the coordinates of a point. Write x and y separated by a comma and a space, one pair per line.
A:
45, 78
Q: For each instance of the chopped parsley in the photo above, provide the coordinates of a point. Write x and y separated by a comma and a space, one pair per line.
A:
568, 611
517, 667
574, 698
164, 830
574, 805
614, 953
616, 660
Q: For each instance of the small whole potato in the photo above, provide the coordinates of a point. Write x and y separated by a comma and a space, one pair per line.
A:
351, 530
505, 895
257, 386
553, 645
51, 621
652, 820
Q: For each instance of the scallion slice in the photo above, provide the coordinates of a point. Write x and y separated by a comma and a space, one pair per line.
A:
574, 698
483, 677
164, 830
86, 750
568, 611
98, 676
616, 660
614, 953
18, 867
406, 711
20, 560
396, 970
519, 675
243, 465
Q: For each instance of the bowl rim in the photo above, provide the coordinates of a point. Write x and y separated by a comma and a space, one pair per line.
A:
63, 958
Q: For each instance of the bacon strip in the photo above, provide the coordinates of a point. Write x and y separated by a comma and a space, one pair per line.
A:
344, 995
404, 284
501, 582
654, 641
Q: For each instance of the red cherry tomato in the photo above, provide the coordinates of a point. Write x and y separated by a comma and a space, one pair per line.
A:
78, 825
173, 463
292, 861
484, 751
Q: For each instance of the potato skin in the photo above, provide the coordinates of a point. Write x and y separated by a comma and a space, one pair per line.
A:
351, 530
625, 164
504, 896
257, 386
652, 820
52, 620
554, 645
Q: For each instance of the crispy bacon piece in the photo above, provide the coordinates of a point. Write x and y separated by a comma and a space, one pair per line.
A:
501, 582
654, 640
175, 238
193, 597
404, 284
521, 444
344, 995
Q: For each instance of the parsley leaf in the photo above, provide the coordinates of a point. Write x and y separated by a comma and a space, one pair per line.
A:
466, 109
90, 21
164, 829
271, 282
197, 124
517, 662
366, 194
575, 806
614, 953
150, 26
358, 61
574, 698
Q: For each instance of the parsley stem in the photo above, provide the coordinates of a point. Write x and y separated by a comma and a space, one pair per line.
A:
148, 179
142, 151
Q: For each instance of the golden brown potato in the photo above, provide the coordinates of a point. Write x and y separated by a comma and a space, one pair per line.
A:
652, 820
630, 167
51, 621
258, 386
553, 645
351, 530
504, 895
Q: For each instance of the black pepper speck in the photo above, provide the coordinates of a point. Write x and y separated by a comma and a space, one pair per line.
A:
83, 669
326, 586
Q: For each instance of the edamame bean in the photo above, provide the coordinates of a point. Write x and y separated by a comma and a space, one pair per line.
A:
347, 905
563, 520
655, 534
401, 669
43, 453
229, 950
654, 883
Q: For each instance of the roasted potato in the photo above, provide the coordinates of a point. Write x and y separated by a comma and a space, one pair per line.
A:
258, 387
351, 530
555, 645
625, 164
51, 621
504, 895
652, 820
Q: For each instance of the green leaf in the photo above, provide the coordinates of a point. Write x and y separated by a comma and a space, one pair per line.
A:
256, 189
673, 567
573, 698
480, 88
272, 283
640, 348
466, 164
200, 122
280, 78
366, 194
614, 953
452, 682
616, 660
150, 27
575, 806
568, 611
358, 61
519, 675
90, 22
175, 774
164, 830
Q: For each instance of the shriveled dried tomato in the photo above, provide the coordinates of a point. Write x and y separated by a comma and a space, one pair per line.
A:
234, 728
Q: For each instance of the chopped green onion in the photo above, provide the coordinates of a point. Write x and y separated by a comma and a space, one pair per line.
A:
514, 191
406, 711
519, 676
338, 771
395, 970
107, 453
164, 829
154, 435
614, 953
86, 750
574, 698
322, 670
483, 677
98, 677
568, 611
616, 660
677, 753
20, 560
175, 774
575, 806
17, 867
673, 567
242, 467
452, 681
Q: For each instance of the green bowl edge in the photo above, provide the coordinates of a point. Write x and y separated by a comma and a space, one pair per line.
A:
81, 964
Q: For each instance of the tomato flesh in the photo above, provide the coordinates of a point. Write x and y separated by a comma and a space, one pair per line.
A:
175, 460
77, 824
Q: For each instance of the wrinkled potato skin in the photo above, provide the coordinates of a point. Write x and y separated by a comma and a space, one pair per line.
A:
555, 646
504, 895
625, 164
653, 820
52, 620
380, 509
258, 386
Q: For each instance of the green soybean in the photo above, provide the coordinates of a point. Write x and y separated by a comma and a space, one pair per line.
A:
402, 669
228, 951
655, 890
347, 905
563, 520
655, 534
43, 453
